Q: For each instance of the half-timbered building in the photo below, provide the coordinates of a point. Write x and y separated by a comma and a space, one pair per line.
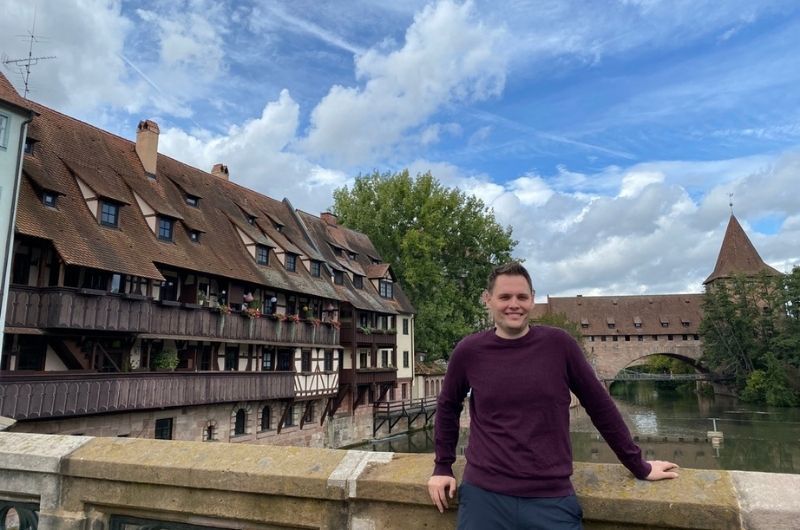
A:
151, 298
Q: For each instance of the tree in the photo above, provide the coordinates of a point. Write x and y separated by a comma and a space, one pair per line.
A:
441, 242
751, 331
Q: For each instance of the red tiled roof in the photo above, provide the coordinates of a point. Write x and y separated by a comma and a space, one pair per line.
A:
9, 95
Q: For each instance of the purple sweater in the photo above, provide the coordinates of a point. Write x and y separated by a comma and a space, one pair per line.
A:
519, 413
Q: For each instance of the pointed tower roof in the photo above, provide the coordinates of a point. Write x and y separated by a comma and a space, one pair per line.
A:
738, 255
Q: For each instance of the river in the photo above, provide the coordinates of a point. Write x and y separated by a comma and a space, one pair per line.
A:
672, 425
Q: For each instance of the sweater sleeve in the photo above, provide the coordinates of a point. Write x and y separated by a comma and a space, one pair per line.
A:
448, 411
603, 411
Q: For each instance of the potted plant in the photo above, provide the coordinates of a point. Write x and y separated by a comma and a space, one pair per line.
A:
167, 359
202, 298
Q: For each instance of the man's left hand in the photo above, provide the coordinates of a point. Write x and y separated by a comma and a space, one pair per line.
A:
661, 470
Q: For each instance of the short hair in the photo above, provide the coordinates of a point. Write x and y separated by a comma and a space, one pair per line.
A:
513, 268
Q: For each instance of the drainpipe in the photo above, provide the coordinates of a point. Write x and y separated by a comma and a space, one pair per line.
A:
6, 271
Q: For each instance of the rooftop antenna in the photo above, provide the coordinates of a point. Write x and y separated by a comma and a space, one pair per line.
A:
24, 65
730, 202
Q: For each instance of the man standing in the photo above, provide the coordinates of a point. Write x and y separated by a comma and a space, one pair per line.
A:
519, 458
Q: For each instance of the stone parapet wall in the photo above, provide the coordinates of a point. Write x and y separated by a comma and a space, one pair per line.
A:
82, 482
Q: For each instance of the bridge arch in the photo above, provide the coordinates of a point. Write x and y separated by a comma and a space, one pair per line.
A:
610, 358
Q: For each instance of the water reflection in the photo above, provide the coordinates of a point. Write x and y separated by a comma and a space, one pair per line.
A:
672, 424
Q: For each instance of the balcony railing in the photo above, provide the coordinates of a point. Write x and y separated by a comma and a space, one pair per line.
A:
61, 394
378, 337
81, 309
368, 376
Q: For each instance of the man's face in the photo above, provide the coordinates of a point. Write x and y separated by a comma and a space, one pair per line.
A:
510, 302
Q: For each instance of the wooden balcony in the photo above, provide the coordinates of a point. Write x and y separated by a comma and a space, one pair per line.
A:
63, 394
378, 338
368, 376
82, 309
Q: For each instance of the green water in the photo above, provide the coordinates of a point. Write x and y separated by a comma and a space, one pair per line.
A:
672, 425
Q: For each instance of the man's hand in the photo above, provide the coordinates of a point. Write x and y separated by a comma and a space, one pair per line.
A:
660, 470
438, 488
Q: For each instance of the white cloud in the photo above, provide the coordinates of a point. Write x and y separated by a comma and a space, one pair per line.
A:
447, 56
635, 181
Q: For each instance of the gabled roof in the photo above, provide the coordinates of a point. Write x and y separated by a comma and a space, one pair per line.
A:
109, 166
738, 255
628, 315
9, 95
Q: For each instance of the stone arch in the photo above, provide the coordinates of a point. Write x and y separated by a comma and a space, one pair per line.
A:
240, 417
610, 359
210, 432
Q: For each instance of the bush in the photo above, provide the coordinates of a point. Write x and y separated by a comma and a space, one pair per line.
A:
165, 360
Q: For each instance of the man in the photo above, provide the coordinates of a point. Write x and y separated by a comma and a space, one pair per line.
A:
519, 458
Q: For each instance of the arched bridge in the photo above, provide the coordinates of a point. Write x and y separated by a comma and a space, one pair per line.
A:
611, 357
632, 375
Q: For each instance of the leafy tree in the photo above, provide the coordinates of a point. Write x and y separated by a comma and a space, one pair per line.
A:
441, 242
751, 331
560, 320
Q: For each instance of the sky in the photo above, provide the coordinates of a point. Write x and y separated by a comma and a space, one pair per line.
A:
611, 136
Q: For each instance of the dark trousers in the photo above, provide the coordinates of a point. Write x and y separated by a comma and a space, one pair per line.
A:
479, 509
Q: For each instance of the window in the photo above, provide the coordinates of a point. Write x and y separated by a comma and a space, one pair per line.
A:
164, 429
239, 424
267, 362
358, 281
265, 419
337, 251
405, 360
192, 200
165, 226
403, 391
262, 255
210, 433
109, 214
405, 326
641, 339
305, 361
385, 288
194, 235
251, 219
231, 358
329, 360
309, 417
3, 131
291, 262
362, 360
29, 146
49, 199
351, 255
316, 269
384, 358
285, 358
338, 277
289, 422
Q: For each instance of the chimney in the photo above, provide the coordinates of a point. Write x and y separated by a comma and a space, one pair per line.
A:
220, 171
147, 145
329, 218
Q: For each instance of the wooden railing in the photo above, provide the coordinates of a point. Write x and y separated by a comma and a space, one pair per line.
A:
60, 394
377, 337
82, 309
368, 376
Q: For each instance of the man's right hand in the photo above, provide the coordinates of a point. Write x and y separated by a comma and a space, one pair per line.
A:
439, 487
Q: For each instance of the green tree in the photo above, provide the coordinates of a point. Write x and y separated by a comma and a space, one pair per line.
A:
751, 331
441, 242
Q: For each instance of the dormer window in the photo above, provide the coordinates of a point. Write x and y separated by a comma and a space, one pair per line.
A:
262, 255
637, 322
316, 269
49, 199
584, 323
358, 281
193, 201
29, 146
337, 251
351, 255
109, 214
165, 228
611, 323
338, 277
386, 288
194, 235
291, 262
251, 219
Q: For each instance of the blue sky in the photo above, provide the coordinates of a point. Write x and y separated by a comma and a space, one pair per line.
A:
608, 134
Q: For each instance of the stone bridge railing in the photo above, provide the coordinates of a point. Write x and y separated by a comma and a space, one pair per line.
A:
73, 482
